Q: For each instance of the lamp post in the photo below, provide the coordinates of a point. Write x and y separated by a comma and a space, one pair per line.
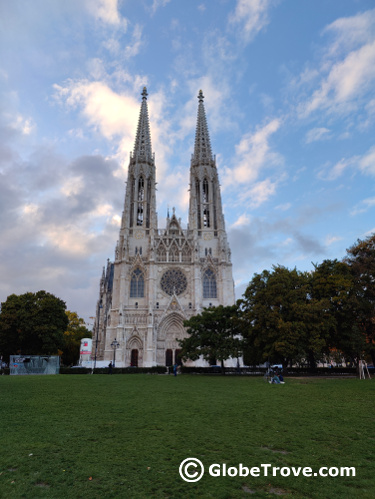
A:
115, 344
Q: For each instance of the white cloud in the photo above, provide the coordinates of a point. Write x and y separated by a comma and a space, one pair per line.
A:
253, 153
251, 16
363, 206
364, 164
346, 80
347, 70
133, 48
327, 173
349, 32
316, 134
157, 4
242, 220
332, 239
72, 186
259, 193
370, 107
367, 162
283, 207
106, 11
24, 125
113, 115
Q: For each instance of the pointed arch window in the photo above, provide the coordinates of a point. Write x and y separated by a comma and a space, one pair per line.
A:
205, 191
209, 284
174, 254
198, 196
162, 254
206, 217
186, 254
141, 189
141, 197
132, 191
206, 210
214, 205
148, 209
137, 284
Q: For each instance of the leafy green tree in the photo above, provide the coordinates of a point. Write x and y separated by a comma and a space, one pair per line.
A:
73, 335
280, 320
361, 260
32, 323
213, 334
334, 285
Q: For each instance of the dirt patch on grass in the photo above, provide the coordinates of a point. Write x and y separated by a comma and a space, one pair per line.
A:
42, 485
275, 451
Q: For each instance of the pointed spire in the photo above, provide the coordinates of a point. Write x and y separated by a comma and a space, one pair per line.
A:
142, 146
202, 147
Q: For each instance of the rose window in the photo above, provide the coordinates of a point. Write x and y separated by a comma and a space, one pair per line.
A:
173, 281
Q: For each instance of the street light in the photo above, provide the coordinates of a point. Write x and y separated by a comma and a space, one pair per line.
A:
115, 344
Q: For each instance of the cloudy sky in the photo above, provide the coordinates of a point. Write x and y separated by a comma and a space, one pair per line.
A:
289, 91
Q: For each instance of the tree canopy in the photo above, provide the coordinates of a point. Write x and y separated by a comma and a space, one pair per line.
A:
282, 322
361, 260
73, 335
213, 334
33, 324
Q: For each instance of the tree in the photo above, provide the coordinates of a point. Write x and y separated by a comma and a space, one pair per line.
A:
361, 260
73, 335
213, 334
280, 320
334, 285
32, 323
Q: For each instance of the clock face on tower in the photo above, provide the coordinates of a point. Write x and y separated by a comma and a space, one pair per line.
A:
173, 281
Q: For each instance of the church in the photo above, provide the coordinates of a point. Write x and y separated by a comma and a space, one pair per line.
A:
163, 276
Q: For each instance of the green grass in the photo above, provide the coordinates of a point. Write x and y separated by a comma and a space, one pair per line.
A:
101, 436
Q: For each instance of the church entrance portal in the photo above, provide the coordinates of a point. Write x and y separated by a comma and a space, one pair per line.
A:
171, 329
134, 358
169, 357
134, 352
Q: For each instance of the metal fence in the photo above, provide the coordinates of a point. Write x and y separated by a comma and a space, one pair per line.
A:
34, 364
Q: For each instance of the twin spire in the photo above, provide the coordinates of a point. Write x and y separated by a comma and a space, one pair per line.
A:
202, 147
142, 146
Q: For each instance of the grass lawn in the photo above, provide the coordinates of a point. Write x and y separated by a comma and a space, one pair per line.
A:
124, 436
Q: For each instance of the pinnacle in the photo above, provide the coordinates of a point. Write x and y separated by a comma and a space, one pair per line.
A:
142, 146
202, 148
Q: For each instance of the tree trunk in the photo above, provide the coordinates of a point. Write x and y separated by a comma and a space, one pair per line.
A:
222, 368
311, 359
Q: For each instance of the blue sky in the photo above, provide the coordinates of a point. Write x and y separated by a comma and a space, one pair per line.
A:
289, 91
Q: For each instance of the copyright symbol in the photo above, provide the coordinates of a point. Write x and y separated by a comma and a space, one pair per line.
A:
191, 475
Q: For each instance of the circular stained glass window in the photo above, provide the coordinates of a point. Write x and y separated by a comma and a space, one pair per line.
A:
173, 281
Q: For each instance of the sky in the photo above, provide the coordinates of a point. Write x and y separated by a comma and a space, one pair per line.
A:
289, 90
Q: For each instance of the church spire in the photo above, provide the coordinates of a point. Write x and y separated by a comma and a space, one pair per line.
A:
142, 146
205, 211
202, 148
140, 197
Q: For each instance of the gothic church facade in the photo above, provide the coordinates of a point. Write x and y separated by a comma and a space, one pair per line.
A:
160, 277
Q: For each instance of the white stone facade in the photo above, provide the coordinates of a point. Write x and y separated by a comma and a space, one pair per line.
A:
162, 277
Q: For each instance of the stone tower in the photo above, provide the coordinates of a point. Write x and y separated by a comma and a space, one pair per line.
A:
160, 277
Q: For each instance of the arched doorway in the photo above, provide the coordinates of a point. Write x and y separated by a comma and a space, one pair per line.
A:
134, 352
134, 357
169, 357
170, 330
